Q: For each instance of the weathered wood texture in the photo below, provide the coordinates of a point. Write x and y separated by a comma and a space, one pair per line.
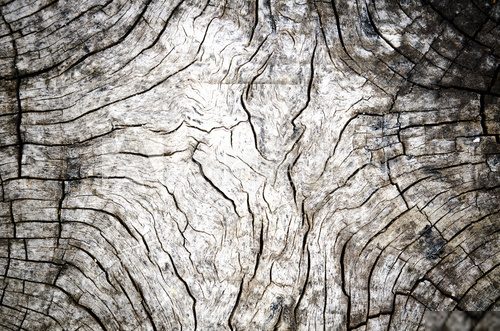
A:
249, 165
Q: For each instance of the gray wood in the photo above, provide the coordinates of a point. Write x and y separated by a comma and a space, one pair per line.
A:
249, 165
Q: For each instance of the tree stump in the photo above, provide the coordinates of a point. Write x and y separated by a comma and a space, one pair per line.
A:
249, 165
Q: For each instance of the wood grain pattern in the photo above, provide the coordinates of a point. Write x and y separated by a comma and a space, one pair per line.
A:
249, 165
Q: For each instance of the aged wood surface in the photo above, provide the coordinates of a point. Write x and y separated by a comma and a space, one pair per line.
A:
249, 165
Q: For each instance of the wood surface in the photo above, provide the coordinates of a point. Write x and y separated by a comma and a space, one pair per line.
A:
249, 165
